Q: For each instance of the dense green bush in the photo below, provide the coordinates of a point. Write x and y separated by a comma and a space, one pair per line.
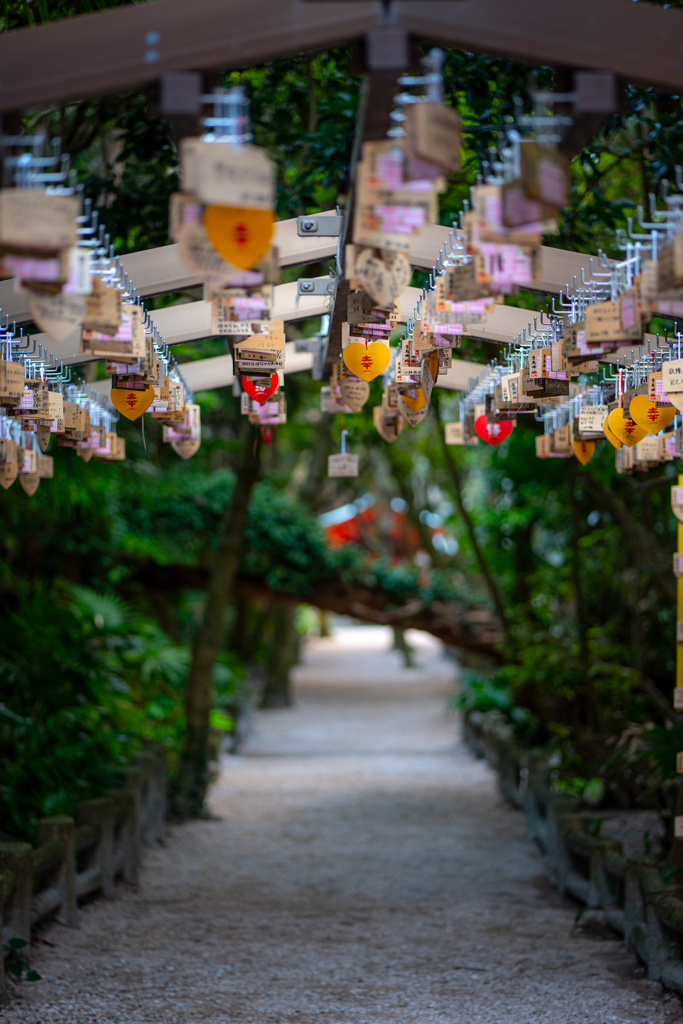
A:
82, 684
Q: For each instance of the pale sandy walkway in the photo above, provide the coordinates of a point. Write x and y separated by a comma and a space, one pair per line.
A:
364, 870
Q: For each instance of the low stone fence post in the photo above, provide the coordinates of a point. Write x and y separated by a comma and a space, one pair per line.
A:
646, 908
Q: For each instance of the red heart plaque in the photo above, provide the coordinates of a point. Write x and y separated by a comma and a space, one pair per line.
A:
267, 434
260, 392
493, 433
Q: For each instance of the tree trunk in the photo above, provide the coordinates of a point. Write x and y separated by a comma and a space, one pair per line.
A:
454, 472
282, 656
402, 645
193, 778
311, 489
400, 464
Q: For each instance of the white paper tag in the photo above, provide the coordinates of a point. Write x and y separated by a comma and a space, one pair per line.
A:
592, 418
672, 376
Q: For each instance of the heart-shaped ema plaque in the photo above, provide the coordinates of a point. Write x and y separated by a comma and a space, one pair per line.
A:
241, 236
400, 272
493, 433
413, 409
614, 441
132, 402
267, 434
624, 428
648, 416
583, 450
417, 402
260, 388
367, 361
375, 277
354, 392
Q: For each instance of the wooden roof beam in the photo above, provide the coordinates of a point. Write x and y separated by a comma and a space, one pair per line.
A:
111, 51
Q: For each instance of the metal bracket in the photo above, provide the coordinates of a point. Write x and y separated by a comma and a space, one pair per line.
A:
327, 227
316, 285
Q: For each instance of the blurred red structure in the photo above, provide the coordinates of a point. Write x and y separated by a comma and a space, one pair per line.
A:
376, 528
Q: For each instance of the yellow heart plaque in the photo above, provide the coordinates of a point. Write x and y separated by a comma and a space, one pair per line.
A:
625, 429
132, 402
648, 416
610, 436
583, 450
367, 361
415, 403
241, 236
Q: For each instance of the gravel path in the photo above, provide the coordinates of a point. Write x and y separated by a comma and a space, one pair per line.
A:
363, 870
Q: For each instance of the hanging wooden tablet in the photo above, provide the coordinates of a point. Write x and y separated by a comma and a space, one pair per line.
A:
58, 315
434, 134
102, 308
45, 466
84, 451
186, 448
388, 425
217, 172
43, 433
342, 465
29, 482
33, 219
426, 379
413, 406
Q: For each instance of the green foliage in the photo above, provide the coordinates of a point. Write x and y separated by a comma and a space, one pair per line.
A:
479, 692
16, 964
61, 703
581, 556
304, 110
83, 682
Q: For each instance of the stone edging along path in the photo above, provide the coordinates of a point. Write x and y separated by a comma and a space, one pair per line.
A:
630, 891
